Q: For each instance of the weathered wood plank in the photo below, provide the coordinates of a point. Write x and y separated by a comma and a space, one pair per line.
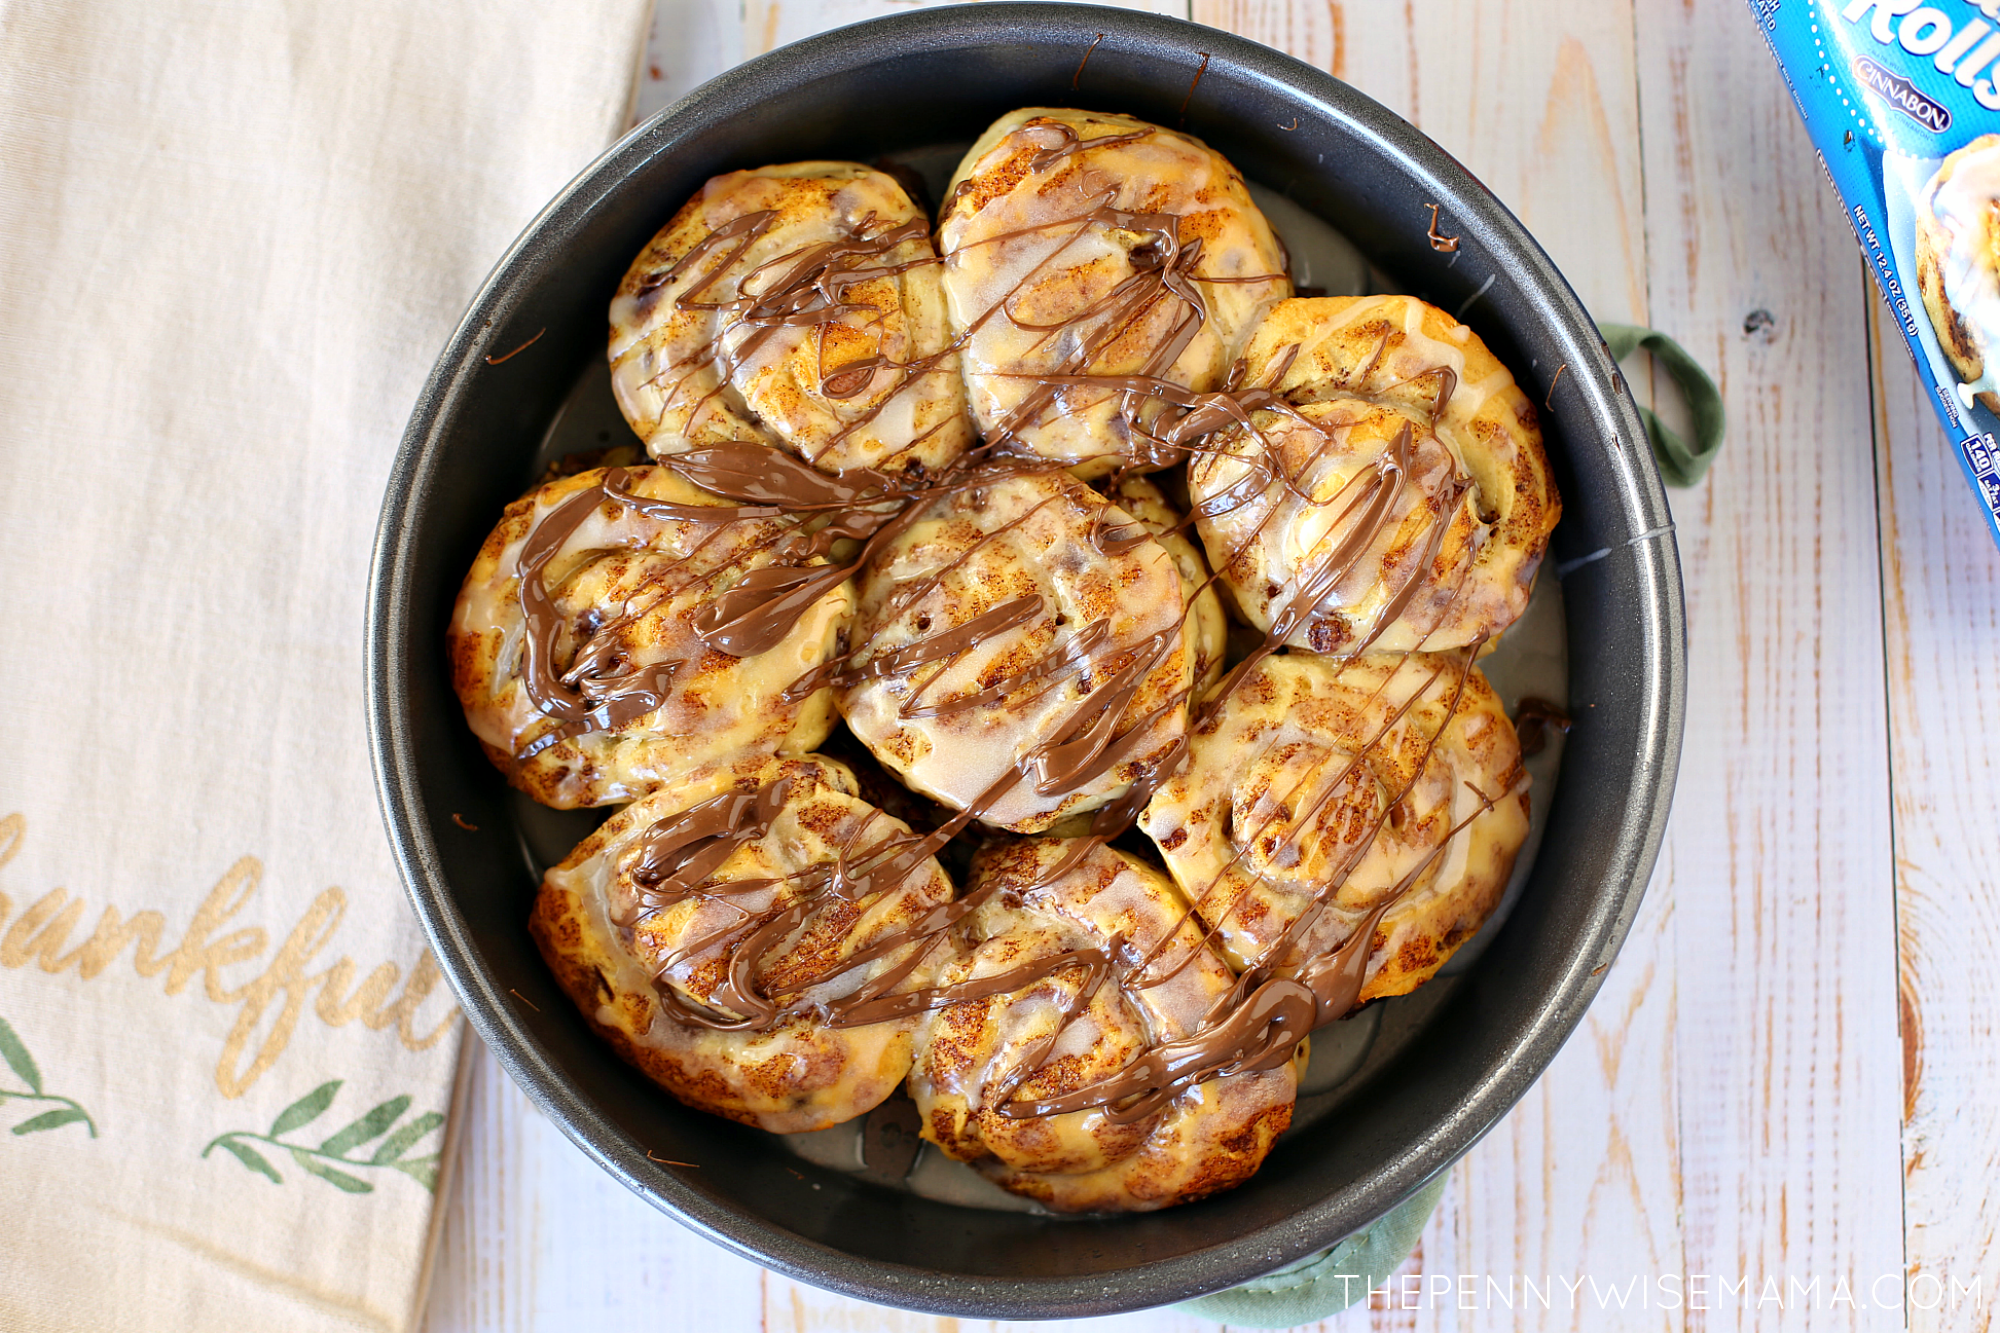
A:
1941, 594
772, 23
688, 43
1779, 856
539, 1239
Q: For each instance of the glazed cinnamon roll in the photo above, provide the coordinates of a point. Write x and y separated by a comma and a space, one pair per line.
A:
1208, 628
1349, 823
1021, 651
1396, 496
797, 305
1089, 961
719, 932
1087, 254
1958, 265
582, 646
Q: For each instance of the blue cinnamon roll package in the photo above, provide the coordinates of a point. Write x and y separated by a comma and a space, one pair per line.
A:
1902, 99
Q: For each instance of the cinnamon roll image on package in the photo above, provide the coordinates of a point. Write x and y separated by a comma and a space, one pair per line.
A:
1902, 98
1035, 673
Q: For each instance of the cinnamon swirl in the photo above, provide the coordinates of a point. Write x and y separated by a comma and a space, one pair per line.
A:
577, 646
1394, 497
1096, 961
1958, 265
1208, 628
798, 305
1022, 651
1086, 255
718, 934
1370, 807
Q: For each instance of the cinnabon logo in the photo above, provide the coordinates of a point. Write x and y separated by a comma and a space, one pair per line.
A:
1900, 93
1964, 50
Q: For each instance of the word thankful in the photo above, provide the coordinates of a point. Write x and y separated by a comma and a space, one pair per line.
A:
270, 1003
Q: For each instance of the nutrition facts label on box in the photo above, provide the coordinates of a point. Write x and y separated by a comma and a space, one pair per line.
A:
1982, 460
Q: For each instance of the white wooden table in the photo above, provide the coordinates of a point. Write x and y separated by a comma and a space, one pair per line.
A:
1789, 1079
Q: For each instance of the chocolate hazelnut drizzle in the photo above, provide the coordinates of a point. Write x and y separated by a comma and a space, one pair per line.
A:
1534, 719
1439, 241
1259, 1021
804, 288
1254, 1026
1163, 267
1087, 53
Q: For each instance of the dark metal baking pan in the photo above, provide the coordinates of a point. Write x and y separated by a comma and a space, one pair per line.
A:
900, 85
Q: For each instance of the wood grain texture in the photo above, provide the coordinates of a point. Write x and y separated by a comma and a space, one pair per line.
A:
688, 43
1737, 1103
1941, 593
538, 1238
772, 23
1778, 860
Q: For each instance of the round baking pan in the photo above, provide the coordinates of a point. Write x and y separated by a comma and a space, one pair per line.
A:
921, 85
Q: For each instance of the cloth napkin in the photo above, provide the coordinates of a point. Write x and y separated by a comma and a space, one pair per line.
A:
1321, 1285
1682, 462
232, 238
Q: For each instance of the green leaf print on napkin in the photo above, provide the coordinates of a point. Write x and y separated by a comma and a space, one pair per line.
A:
15, 1052
332, 1153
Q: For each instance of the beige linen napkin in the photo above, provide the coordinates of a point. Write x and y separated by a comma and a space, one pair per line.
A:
232, 237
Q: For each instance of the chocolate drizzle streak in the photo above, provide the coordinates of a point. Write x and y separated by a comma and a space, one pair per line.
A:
1088, 52
1194, 84
594, 694
1439, 241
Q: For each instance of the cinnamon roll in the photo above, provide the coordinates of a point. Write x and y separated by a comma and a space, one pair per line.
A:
1088, 258
1021, 651
722, 934
797, 305
1958, 264
1392, 496
581, 646
1078, 961
1347, 822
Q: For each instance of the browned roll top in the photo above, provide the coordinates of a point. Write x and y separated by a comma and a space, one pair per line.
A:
1395, 495
583, 642
722, 933
797, 305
